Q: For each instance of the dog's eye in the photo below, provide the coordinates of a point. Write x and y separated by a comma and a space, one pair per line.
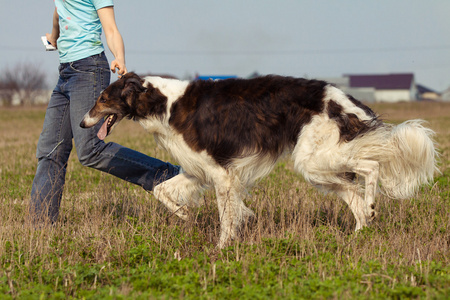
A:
102, 100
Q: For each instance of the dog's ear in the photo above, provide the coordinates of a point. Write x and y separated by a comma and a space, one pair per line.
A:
132, 85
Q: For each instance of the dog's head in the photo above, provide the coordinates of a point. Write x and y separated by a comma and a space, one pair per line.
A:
126, 97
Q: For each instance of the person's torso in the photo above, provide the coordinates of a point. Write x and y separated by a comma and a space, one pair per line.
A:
80, 28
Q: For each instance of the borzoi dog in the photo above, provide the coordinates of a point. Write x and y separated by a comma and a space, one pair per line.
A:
227, 134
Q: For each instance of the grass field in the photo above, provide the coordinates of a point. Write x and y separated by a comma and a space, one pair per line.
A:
115, 241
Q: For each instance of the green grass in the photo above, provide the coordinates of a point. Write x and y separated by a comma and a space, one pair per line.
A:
115, 241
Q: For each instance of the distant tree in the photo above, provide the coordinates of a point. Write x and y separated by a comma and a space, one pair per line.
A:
7, 91
25, 81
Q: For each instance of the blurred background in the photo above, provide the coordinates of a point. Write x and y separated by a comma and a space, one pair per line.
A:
365, 47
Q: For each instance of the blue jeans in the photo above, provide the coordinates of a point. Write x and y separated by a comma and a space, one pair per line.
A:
78, 87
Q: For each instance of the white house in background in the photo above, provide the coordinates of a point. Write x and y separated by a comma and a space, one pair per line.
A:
364, 94
387, 87
14, 99
39, 97
378, 88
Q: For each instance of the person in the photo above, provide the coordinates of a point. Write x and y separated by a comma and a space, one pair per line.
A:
83, 73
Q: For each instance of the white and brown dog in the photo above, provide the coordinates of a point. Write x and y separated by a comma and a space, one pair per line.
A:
227, 134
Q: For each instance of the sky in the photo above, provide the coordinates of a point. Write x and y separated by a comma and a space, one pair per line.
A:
313, 39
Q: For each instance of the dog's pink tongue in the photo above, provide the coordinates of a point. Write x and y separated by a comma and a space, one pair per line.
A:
103, 132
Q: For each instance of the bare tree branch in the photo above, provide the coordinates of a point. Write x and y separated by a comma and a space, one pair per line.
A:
25, 82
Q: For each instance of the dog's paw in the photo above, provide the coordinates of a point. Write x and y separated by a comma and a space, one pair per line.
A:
182, 212
372, 214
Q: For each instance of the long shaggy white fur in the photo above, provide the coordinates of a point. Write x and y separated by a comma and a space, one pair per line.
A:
412, 161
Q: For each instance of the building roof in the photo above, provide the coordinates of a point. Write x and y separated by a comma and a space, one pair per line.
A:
383, 82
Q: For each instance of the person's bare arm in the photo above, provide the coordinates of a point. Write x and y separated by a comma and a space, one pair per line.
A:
52, 37
113, 38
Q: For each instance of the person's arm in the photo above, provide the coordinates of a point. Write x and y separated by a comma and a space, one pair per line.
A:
113, 38
52, 37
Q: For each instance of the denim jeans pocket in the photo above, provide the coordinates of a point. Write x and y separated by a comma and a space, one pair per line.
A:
82, 67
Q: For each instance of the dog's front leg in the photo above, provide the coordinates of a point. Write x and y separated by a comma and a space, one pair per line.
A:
230, 206
227, 214
177, 193
232, 210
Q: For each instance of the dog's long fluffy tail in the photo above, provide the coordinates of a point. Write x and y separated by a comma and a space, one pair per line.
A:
413, 160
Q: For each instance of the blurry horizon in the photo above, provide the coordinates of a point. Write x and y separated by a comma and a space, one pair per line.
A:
297, 38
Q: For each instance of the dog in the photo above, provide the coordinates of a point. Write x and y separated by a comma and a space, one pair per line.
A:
227, 134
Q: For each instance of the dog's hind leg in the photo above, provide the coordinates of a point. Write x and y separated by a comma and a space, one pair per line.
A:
363, 209
178, 193
355, 203
369, 169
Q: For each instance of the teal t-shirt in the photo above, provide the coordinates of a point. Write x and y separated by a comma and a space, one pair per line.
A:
80, 28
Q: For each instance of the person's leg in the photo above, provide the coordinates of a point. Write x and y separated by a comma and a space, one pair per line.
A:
91, 76
53, 150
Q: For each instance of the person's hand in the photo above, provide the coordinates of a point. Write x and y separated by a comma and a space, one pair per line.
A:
119, 64
51, 39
